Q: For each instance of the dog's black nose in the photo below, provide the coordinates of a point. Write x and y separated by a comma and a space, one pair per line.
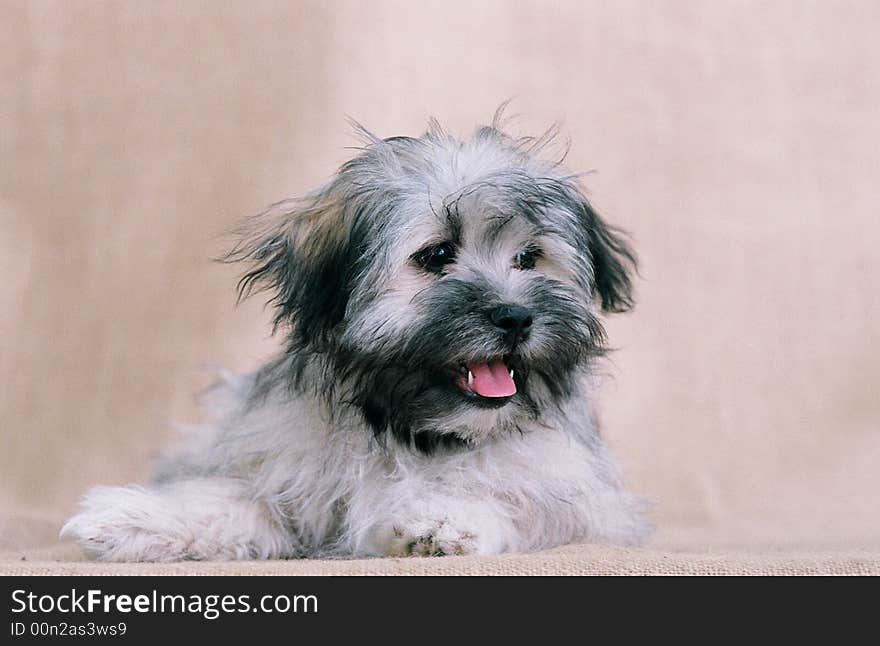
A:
516, 321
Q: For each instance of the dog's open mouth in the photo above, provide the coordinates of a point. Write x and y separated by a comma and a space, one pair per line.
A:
486, 383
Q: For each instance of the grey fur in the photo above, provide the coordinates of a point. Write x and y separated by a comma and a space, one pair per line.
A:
360, 438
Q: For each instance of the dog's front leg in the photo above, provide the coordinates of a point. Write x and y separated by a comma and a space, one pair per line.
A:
193, 519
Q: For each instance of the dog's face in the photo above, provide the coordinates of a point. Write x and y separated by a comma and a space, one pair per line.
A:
449, 290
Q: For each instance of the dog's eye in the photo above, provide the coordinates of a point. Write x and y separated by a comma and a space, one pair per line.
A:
527, 258
435, 257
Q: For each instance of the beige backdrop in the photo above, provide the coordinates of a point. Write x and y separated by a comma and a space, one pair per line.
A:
738, 141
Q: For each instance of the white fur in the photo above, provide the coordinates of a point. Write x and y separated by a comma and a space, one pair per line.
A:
277, 481
284, 472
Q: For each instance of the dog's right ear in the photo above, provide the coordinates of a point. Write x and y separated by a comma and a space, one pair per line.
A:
300, 251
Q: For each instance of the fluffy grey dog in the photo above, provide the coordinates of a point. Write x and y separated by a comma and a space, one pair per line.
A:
440, 304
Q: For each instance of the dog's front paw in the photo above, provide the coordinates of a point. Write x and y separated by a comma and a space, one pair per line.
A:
127, 524
201, 519
432, 538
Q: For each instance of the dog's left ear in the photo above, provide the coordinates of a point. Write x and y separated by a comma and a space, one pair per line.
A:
614, 262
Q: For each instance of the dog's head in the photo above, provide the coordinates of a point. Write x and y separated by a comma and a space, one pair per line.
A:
449, 290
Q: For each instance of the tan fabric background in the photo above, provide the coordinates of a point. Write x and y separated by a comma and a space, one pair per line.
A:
738, 141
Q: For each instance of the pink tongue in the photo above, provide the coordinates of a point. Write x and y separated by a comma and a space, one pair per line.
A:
492, 380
